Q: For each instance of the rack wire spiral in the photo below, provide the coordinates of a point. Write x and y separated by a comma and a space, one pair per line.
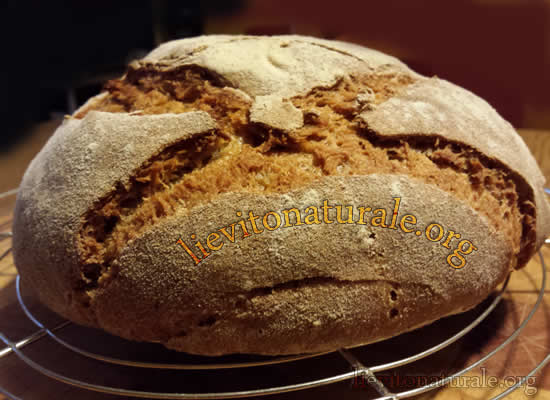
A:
359, 368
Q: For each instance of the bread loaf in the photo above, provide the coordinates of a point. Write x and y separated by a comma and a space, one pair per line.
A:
275, 195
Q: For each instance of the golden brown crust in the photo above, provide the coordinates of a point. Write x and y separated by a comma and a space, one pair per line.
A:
296, 289
280, 283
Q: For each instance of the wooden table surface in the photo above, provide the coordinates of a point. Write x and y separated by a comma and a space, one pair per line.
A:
484, 381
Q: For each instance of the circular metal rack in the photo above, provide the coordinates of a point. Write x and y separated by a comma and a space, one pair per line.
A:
358, 368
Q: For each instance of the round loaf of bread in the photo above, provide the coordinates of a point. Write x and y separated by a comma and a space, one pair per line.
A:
275, 195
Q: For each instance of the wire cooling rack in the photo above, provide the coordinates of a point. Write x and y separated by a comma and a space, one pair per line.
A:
364, 370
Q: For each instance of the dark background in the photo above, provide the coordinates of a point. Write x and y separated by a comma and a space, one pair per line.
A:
56, 54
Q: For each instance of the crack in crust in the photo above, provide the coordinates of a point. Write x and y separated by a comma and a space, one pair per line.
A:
242, 306
242, 156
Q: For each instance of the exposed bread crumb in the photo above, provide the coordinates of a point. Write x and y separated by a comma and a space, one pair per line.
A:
243, 156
